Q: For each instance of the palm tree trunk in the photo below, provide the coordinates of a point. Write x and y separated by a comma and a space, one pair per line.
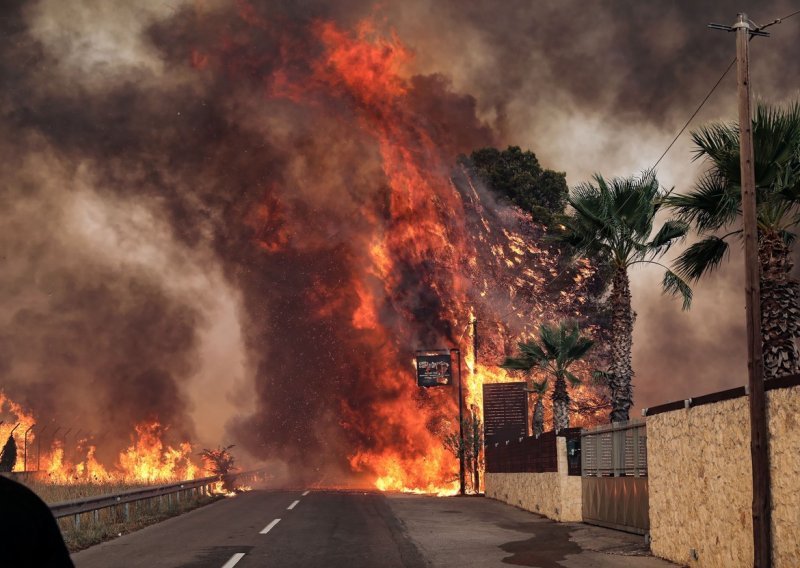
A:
538, 418
560, 405
780, 308
621, 371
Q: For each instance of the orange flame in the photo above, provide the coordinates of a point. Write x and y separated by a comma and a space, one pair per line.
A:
372, 74
147, 460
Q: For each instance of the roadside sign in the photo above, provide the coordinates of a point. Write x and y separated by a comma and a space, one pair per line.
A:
505, 411
434, 369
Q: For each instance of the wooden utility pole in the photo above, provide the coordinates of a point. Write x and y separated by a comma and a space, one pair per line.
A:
759, 449
476, 449
462, 442
475, 345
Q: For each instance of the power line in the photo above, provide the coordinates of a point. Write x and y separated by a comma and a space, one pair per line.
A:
714, 88
694, 114
779, 20
675, 139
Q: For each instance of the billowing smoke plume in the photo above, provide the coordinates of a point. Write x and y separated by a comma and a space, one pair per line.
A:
182, 176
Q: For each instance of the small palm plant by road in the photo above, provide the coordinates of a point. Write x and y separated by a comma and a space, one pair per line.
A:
612, 224
713, 207
539, 389
558, 348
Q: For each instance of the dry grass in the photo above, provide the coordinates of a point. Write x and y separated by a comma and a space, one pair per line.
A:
56, 493
87, 529
111, 522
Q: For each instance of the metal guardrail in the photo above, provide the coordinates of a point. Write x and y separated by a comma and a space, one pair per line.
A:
89, 504
77, 507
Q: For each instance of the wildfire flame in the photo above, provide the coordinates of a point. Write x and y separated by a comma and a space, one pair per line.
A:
432, 221
435, 251
147, 460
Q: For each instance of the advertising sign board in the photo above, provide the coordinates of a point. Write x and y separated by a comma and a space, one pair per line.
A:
434, 369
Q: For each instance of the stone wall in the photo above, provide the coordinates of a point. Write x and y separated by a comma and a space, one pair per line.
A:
701, 482
555, 495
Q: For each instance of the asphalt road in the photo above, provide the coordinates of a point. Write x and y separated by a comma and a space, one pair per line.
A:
329, 528
349, 529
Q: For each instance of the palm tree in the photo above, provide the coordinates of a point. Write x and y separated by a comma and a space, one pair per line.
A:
612, 223
714, 206
539, 389
559, 347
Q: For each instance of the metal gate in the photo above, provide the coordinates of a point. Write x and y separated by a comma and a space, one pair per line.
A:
614, 476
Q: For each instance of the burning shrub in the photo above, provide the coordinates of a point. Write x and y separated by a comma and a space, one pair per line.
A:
469, 447
221, 462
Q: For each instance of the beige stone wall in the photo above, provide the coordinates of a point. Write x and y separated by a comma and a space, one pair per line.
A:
701, 483
555, 495
784, 456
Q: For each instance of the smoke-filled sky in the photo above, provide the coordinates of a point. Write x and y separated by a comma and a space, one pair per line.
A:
170, 214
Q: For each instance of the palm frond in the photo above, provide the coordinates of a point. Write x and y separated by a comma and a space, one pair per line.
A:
788, 237
518, 364
602, 377
539, 387
702, 257
531, 350
614, 217
551, 340
719, 143
676, 286
670, 232
574, 381
580, 348
713, 203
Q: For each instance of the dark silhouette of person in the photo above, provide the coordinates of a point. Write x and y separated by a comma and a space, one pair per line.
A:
29, 535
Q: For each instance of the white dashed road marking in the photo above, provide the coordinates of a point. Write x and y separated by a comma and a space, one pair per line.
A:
306, 493
270, 526
233, 561
293, 505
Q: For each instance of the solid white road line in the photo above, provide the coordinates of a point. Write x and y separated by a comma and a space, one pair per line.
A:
306, 493
293, 505
270, 526
234, 559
